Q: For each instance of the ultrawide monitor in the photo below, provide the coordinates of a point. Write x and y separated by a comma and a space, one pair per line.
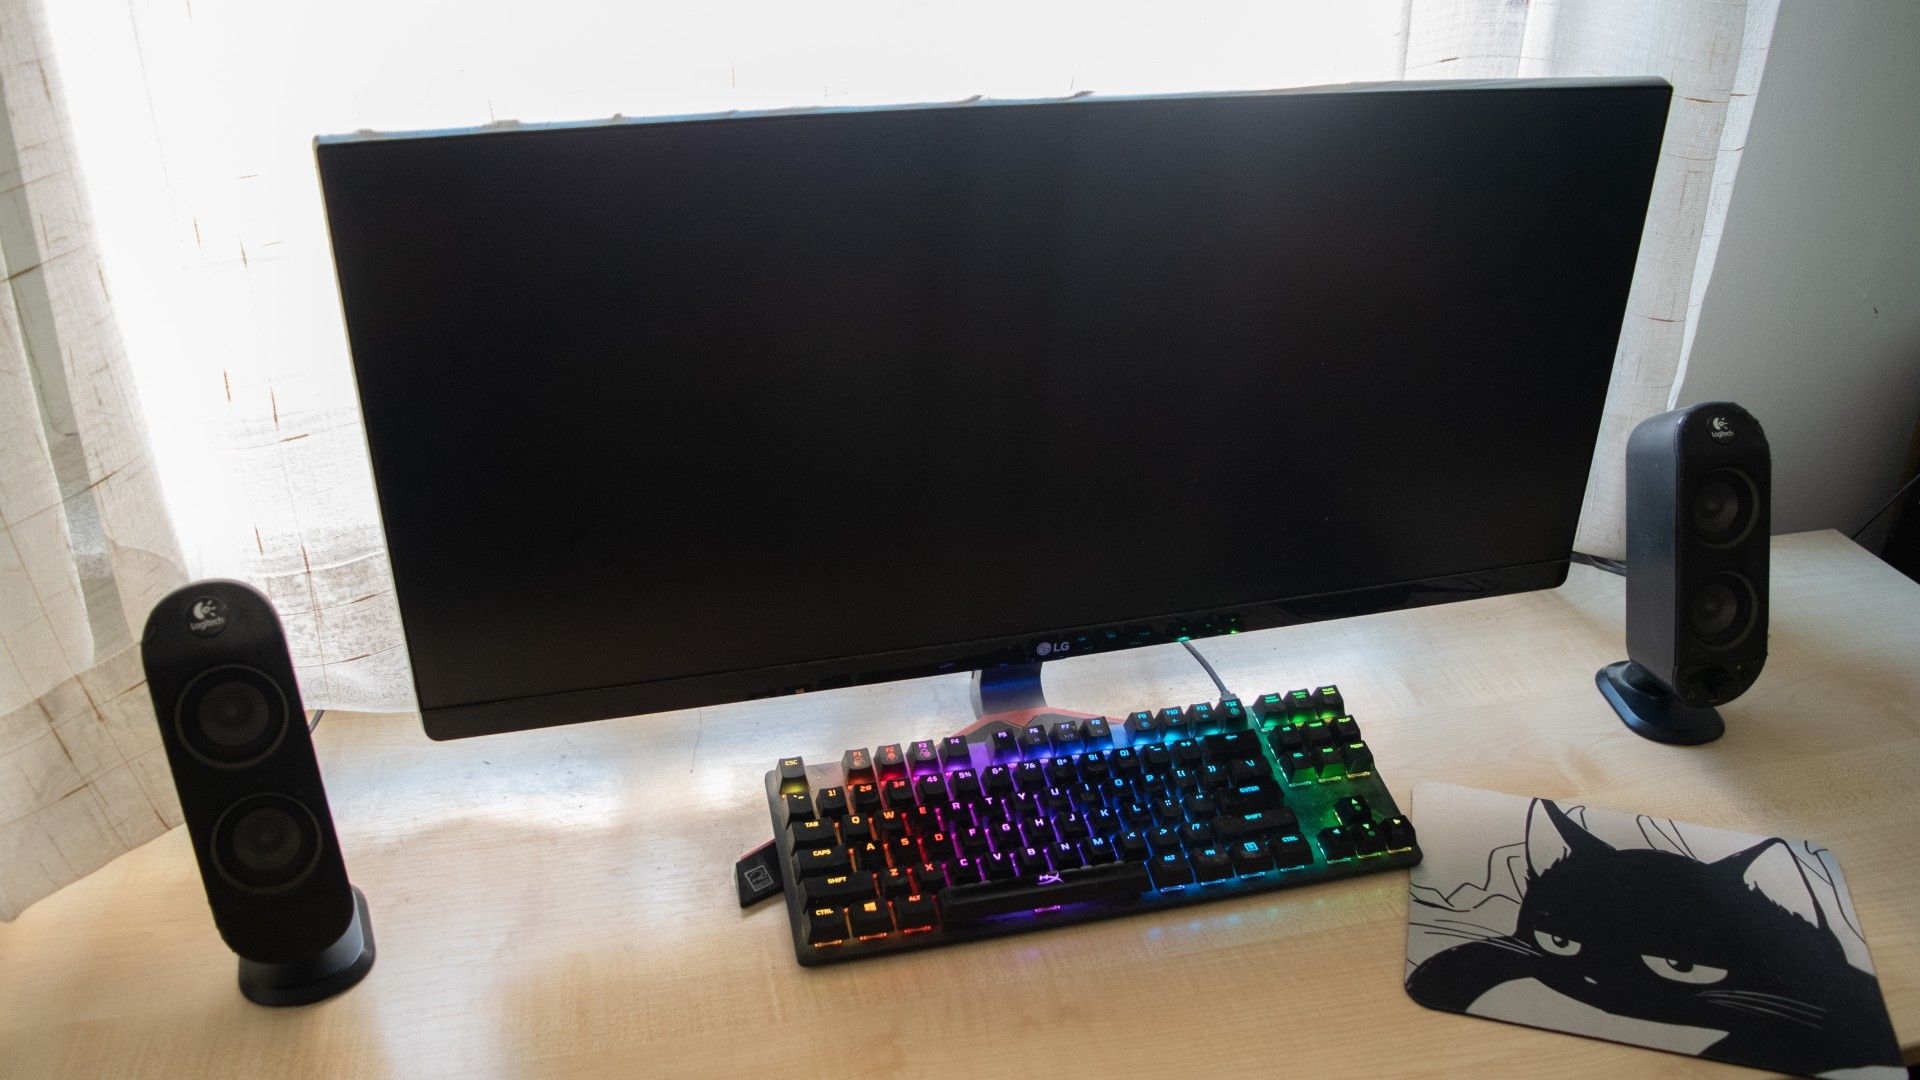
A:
671, 413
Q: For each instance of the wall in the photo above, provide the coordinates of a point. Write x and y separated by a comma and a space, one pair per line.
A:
1812, 317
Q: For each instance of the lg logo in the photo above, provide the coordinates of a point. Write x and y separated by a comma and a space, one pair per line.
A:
1050, 648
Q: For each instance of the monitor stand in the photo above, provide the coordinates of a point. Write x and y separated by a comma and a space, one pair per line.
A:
1007, 689
1010, 697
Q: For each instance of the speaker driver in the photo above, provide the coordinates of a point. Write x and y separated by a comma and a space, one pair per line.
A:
231, 716
266, 843
1722, 611
1723, 508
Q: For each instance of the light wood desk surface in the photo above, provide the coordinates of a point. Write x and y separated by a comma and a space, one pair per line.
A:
560, 903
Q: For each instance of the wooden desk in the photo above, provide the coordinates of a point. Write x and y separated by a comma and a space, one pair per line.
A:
560, 903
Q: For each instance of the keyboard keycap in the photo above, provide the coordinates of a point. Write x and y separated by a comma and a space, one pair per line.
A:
866, 798
1066, 737
1329, 701
954, 752
964, 784
1261, 794
1096, 732
921, 757
1352, 810
1399, 833
1031, 861
997, 781
1033, 742
890, 761
1231, 714
1336, 843
857, 764
796, 806
930, 789
1258, 823
1005, 745
808, 835
870, 919
970, 903
1291, 850
1212, 864
822, 860
931, 877
1029, 777
856, 828
915, 912
1252, 856
793, 775
1171, 868
840, 889
826, 926
1358, 756
1142, 729
1368, 839
831, 802
897, 794
1345, 730
895, 881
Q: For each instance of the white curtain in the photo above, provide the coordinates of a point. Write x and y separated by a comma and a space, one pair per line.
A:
177, 395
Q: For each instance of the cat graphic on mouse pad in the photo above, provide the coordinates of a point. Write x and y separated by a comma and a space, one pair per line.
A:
1724, 945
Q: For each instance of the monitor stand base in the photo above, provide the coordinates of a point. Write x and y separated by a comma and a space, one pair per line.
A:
1652, 711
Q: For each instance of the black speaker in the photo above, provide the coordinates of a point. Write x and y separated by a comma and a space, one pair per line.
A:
1698, 491
236, 736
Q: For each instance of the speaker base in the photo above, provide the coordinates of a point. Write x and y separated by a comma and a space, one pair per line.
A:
1653, 712
303, 982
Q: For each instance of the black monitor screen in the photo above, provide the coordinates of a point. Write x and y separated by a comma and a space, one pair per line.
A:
670, 413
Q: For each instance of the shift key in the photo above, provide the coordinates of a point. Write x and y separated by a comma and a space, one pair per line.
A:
838, 889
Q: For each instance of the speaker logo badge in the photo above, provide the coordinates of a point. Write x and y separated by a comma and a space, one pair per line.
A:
1721, 429
207, 617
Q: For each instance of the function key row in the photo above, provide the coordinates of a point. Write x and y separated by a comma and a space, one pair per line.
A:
1041, 740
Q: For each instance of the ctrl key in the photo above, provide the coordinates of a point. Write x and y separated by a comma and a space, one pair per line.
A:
826, 926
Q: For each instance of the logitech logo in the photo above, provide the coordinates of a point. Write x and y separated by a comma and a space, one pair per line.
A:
207, 616
1721, 430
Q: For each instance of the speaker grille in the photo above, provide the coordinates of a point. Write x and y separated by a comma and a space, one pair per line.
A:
231, 716
266, 844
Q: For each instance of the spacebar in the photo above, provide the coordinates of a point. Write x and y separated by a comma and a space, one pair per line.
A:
965, 903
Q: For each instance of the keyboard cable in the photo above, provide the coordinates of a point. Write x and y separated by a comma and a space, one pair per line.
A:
1211, 674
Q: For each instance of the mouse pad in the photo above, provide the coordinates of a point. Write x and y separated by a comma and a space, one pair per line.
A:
1642, 930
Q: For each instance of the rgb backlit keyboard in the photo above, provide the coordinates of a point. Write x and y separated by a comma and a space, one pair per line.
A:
1058, 818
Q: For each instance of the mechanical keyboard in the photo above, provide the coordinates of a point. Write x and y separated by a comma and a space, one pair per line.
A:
1045, 818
